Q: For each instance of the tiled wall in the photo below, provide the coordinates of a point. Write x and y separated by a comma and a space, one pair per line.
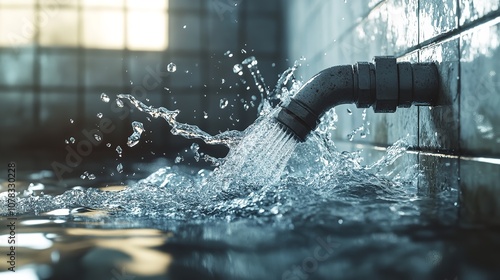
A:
456, 144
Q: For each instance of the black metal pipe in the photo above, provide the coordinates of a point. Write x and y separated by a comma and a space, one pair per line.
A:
383, 84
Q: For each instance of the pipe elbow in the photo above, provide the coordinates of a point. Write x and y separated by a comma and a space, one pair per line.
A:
328, 88
383, 84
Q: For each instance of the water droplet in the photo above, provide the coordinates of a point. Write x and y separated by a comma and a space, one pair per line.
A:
97, 137
171, 67
246, 107
66, 141
178, 159
136, 135
119, 151
194, 148
340, 221
119, 103
71, 121
223, 81
238, 69
350, 136
227, 53
99, 115
83, 177
273, 65
72, 140
91, 177
223, 103
108, 145
119, 168
349, 111
184, 27
362, 135
104, 97
205, 115
243, 51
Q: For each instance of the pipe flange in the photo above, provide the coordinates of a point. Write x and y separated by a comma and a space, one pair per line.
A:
386, 88
365, 97
425, 84
298, 118
405, 73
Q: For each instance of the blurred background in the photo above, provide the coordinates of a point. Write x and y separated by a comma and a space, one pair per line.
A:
58, 56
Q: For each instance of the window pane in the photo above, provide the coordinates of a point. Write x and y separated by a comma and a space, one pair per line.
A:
61, 29
149, 4
102, 3
147, 30
17, 27
17, 2
103, 29
57, 4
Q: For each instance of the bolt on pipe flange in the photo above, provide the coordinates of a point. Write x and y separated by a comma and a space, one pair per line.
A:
365, 83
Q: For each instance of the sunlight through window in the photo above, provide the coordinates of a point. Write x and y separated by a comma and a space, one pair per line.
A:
95, 24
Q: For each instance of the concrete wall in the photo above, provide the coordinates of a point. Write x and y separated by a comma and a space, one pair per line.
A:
457, 144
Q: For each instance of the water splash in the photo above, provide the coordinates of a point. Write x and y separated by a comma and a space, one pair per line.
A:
266, 175
188, 131
238, 69
119, 103
363, 129
133, 139
119, 168
223, 103
119, 150
251, 64
259, 159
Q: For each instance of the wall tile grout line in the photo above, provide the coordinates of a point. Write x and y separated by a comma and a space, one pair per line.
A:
459, 94
490, 19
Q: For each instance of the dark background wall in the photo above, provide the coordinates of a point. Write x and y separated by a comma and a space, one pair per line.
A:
58, 56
